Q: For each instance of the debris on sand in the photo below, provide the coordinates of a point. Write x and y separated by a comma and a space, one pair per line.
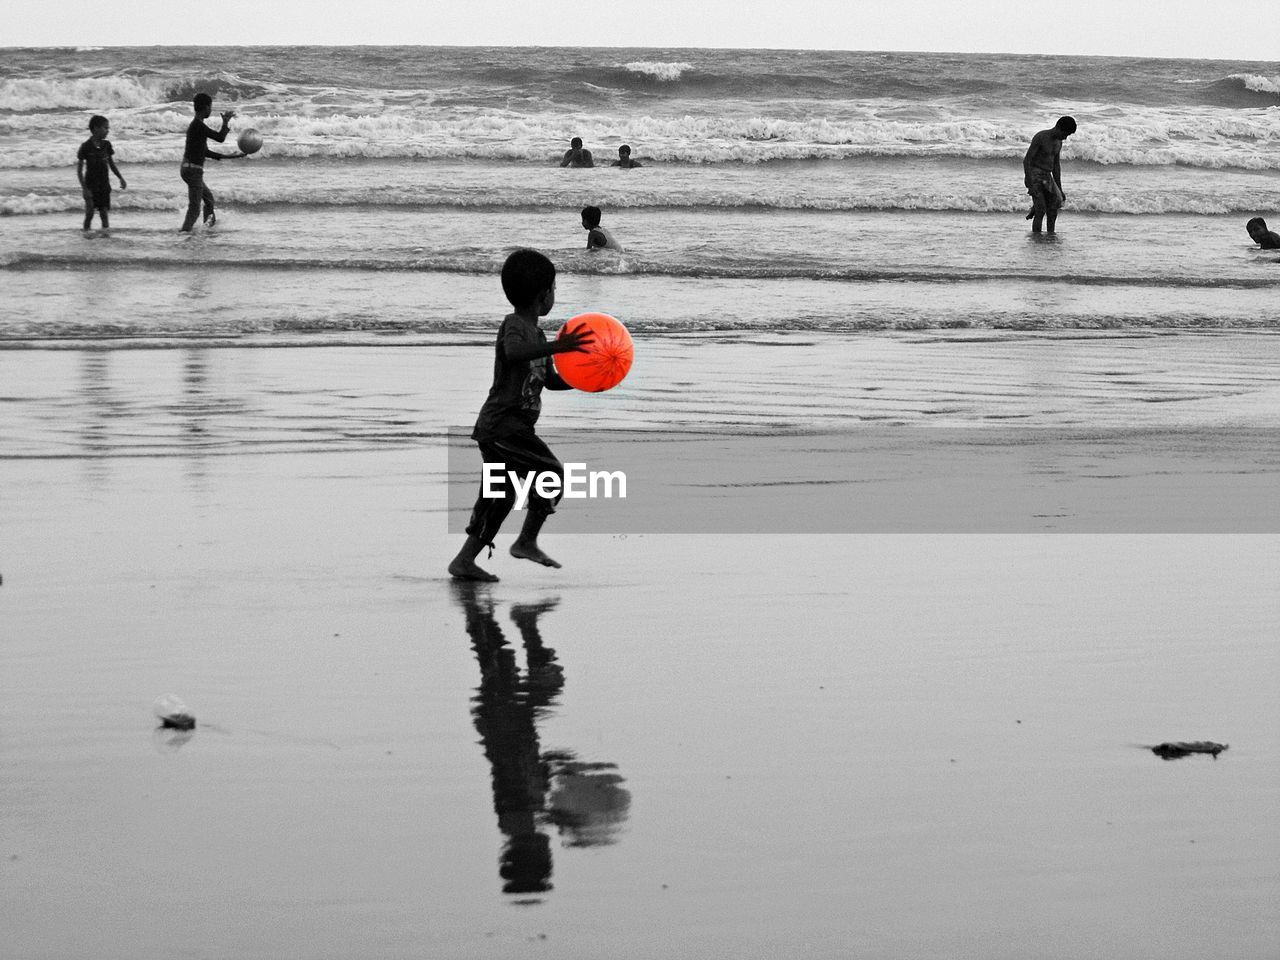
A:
1176, 751
174, 714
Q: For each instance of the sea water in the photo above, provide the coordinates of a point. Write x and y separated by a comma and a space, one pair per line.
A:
780, 190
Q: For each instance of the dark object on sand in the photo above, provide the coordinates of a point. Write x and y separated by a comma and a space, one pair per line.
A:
173, 714
1175, 751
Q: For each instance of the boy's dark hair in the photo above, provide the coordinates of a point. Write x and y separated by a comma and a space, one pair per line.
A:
1066, 124
97, 120
576, 143
625, 148
1256, 222
202, 100
591, 216
526, 275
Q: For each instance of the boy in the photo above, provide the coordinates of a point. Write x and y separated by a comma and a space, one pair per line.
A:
95, 162
577, 155
598, 238
624, 158
193, 157
1258, 232
1042, 173
504, 428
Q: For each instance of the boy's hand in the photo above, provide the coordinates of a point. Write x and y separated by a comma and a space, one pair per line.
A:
88, 194
576, 340
226, 117
123, 185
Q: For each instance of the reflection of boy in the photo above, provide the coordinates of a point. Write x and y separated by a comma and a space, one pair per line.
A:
506, 709
1042, 173
95, 162
598, 238
505, 427
1258, 232
624, 158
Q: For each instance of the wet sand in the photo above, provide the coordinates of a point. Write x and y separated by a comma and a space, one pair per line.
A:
889, 746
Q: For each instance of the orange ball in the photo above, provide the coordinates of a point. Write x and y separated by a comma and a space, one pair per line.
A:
607, 359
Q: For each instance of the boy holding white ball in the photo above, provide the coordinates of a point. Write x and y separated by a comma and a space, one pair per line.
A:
193, 157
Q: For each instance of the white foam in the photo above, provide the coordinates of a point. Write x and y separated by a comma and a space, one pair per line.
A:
659, 69
307, 128
1258, 83
89, 93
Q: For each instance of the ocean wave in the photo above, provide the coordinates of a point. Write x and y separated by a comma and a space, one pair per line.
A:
1137, 201
581, 263
1258, 84
123, 91
363, 329
87, 93
1160, 138
658, 69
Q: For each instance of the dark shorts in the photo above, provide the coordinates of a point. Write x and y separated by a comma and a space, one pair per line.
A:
1044, 190
520, 453
101, 195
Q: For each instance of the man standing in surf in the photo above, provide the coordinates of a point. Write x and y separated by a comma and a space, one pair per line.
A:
1042, 173
197, 148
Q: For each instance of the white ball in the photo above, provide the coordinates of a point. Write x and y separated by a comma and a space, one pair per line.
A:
250, 141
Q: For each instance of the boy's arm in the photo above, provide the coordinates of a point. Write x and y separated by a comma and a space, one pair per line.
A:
221, 135
564, 162
519, 349
111, 162
553, 381
80, 170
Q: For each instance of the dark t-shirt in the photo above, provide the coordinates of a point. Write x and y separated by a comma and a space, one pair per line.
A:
1269, 240
95, 157
198, 137
515, 399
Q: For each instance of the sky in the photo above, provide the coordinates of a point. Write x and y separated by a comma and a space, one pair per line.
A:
1236, 30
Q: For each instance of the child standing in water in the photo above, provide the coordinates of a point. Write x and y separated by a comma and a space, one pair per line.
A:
505, 427
1042, 173
598, 238
95, 162
193, 157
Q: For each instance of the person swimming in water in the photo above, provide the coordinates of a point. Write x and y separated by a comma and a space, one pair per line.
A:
598, 238
577, 155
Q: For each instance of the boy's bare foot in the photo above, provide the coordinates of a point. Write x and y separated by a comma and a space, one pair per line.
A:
469, 570
531, 551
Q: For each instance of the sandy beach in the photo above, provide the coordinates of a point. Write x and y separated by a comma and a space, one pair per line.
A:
729, 744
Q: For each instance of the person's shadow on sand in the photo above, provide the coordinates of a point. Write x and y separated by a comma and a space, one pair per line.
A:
586, 802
